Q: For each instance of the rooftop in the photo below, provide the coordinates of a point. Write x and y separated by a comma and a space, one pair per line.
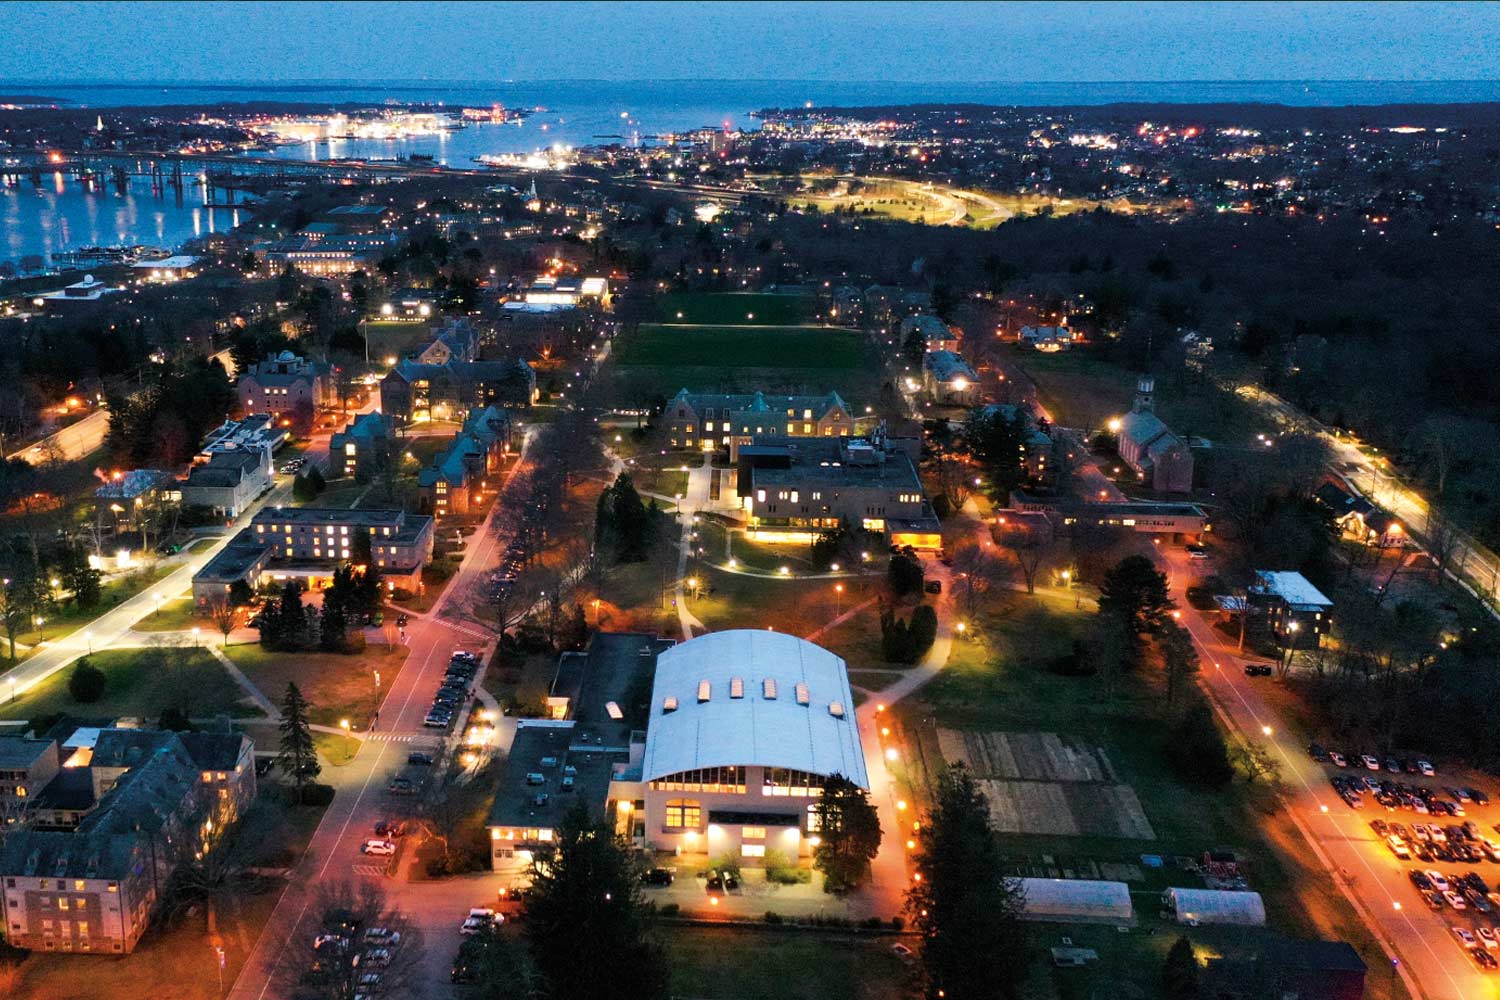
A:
744, 697
1293, 588
533, 792
17, 753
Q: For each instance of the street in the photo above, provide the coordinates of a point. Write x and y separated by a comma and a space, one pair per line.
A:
1431, 963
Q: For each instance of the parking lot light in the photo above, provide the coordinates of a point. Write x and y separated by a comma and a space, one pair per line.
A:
1266, 730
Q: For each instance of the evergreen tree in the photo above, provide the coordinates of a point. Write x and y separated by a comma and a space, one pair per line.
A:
297, 757
81, 578
998, 443
624, 525
360, 551
848, 834
1135, 591
1195, 748
1179, 972
584, 887
904, 574
86, 683
333, 627
967, 912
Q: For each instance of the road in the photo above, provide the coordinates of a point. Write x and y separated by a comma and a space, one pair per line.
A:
114, 625
1431, 963
333, 854
1469, 561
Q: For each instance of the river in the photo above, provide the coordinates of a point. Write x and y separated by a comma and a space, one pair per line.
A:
573, 113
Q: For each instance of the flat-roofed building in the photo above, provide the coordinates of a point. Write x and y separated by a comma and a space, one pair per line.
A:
228, 482
309, 543
802, 486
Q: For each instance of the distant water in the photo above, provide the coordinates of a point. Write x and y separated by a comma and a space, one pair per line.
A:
577, 113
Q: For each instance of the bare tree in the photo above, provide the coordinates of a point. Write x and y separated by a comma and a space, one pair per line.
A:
225, 616
1028, 545
360, 947
976, 572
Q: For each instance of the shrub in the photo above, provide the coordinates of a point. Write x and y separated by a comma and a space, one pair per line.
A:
904, 574
772, 917
872, 923
897, 924
312, 795
671, 909
86, 683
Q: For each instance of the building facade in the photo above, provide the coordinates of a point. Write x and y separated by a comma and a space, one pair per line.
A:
362, 447
309, 543
286, 384
725, 421
1296, 612
415, 393
228, 482
949, 380
148, 801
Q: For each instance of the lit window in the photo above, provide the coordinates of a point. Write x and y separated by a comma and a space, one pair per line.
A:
753, 832
752, 850
684, 814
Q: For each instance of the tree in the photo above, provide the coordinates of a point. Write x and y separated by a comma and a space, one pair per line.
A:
1195, 748
86, 683
81, 578
331, 963
976, 572
19, 597
1179, 972
1028, 545
225, 616
498, 967
333, 627
584, 887
297, 756
1255, 762
623, 523
904, 574
1134, 592
360, 550
973, 944
1178, 658
848, 829
997, 437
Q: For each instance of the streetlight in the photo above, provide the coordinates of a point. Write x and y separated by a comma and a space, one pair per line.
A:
838, 599
88, 637
962, 628
1265, 730
344, 725
196, 630
377, 680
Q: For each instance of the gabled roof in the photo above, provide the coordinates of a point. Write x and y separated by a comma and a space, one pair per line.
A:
753, 729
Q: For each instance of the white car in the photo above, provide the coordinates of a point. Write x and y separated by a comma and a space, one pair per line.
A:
382, 936
1465, 938
376, 958
1426, 768
380, 847
1458, 903
1487, 937
1369, 762
1436, 878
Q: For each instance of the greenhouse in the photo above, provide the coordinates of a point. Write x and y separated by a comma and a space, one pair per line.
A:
1076, 901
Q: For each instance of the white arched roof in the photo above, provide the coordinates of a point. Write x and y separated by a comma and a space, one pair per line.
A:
820, 737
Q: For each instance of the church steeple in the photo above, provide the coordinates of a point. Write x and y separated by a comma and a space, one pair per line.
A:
1145, 389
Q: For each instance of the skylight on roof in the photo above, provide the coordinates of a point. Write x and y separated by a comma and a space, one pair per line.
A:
803, 697
768, 688
704, 690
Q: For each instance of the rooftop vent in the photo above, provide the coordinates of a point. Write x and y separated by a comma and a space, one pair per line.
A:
669, 704
803, 697
704, 690
768, 688
836, 709
612, 709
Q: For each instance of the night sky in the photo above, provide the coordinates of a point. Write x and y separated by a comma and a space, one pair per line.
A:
919, 42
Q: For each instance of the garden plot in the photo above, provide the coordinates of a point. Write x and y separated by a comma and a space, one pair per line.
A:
1037, 784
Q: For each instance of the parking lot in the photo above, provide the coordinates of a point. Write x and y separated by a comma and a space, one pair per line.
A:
1440, 829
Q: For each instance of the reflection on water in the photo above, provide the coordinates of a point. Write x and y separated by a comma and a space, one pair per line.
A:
63, 214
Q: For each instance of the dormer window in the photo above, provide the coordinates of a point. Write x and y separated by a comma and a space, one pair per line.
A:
803, 696
736, 687
836, 709
768, 689
704, 690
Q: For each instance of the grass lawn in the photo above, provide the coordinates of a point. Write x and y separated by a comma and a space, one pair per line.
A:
175, 616
792, 605
336, 750
335, 686
69, 618
742, 347
140, 683
389, 339
670, 482
735, 308
729, 964
873, 680
1081, 389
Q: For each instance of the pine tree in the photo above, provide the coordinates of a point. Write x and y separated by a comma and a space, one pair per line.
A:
966, 910
848, 834
1179, 972
297, 757
333, 627
584, 887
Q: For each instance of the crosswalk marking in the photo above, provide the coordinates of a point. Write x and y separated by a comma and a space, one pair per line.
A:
370, 871
420, 739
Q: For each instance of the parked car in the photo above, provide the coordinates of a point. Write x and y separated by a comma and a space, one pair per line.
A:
1454, 900
1258, 670
1437, 880
1480, 799
382, 936
1317, 752
659, 877
1370, 761
1426, 768
903, 953
1337, 759
378, 847
401, 786
419, 759
1465, 937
